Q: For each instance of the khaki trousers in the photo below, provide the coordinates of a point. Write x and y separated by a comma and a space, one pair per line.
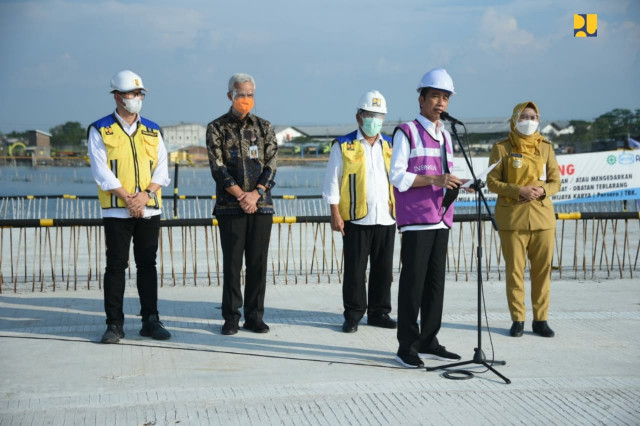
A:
538, 246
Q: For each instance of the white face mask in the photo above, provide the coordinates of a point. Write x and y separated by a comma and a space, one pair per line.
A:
132, 105
527, 127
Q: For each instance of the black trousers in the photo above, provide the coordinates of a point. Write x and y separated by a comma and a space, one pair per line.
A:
118, 235
421, 289
361, 243
244, 235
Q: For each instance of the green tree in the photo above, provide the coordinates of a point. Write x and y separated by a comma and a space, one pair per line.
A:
583, 135
617, 124
70, 133
18, 135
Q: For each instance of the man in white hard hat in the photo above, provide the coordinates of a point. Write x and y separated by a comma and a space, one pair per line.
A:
357, 188
243, 155
420, 174
129, 164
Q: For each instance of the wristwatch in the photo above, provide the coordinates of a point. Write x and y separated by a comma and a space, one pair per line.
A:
261, 192
152, 196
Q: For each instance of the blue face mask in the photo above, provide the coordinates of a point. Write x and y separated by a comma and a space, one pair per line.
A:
371, 126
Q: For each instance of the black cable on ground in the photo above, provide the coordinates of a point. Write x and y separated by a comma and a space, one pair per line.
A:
458, 374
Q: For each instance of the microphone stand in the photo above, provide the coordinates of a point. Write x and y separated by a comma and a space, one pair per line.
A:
478, 356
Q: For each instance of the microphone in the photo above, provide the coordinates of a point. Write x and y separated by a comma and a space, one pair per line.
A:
449, 197
444, 115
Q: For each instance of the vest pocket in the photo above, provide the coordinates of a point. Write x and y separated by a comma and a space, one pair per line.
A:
151, 146
114, 141
355, 156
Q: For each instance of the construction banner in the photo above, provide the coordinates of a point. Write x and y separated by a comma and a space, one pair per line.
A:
586, 178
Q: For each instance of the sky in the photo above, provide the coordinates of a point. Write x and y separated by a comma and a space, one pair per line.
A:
312, 60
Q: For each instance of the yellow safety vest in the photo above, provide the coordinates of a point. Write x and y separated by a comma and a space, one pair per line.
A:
132, 159
353, 188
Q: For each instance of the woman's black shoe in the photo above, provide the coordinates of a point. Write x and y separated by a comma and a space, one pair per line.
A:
517, 329
543, 329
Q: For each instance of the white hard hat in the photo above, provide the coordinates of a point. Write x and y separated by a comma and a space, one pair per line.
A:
437, 78
126, 81
373, 101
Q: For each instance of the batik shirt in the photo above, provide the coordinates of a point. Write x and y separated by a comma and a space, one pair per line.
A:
241, 153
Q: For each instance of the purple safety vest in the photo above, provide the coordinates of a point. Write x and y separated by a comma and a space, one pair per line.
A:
422, 205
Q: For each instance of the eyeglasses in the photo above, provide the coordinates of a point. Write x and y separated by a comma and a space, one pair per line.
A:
131, 95
370, 114
237, 95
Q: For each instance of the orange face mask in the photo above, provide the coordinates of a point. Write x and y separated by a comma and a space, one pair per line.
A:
243, 105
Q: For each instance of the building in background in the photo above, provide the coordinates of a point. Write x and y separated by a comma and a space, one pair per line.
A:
183, 135
286, 134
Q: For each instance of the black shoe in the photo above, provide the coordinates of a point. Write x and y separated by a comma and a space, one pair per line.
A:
152, 327
350, 326
257, 326
409, 361
383, 321
440, 353
543, 329
517, 329
230, 327
113, 334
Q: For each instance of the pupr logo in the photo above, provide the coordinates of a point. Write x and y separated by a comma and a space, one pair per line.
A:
585, 25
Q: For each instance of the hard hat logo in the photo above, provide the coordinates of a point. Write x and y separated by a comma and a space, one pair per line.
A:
373, 101
137, 82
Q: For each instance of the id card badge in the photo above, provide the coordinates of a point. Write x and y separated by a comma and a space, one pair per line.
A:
544, 172
253, 152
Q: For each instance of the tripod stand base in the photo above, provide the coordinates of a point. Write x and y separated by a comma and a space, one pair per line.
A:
478, 358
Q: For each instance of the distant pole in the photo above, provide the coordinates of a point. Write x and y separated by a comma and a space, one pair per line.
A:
175, 189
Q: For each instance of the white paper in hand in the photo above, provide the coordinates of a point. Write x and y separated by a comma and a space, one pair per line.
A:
483, 175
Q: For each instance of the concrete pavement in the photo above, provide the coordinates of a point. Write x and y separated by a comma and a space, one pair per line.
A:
306, 371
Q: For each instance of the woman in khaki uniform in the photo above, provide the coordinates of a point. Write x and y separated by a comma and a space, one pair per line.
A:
525, 180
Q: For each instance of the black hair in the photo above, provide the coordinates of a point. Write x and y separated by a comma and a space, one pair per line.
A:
425, 90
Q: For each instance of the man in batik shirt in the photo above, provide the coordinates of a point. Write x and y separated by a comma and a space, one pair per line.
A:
242, 155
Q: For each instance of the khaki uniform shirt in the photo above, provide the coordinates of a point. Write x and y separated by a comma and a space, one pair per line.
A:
510, 213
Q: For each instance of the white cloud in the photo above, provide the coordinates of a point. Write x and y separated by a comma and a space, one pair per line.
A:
500, 32
388, 67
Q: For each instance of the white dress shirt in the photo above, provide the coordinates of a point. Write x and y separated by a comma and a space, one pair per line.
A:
105, 178
377, 182
398, 174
